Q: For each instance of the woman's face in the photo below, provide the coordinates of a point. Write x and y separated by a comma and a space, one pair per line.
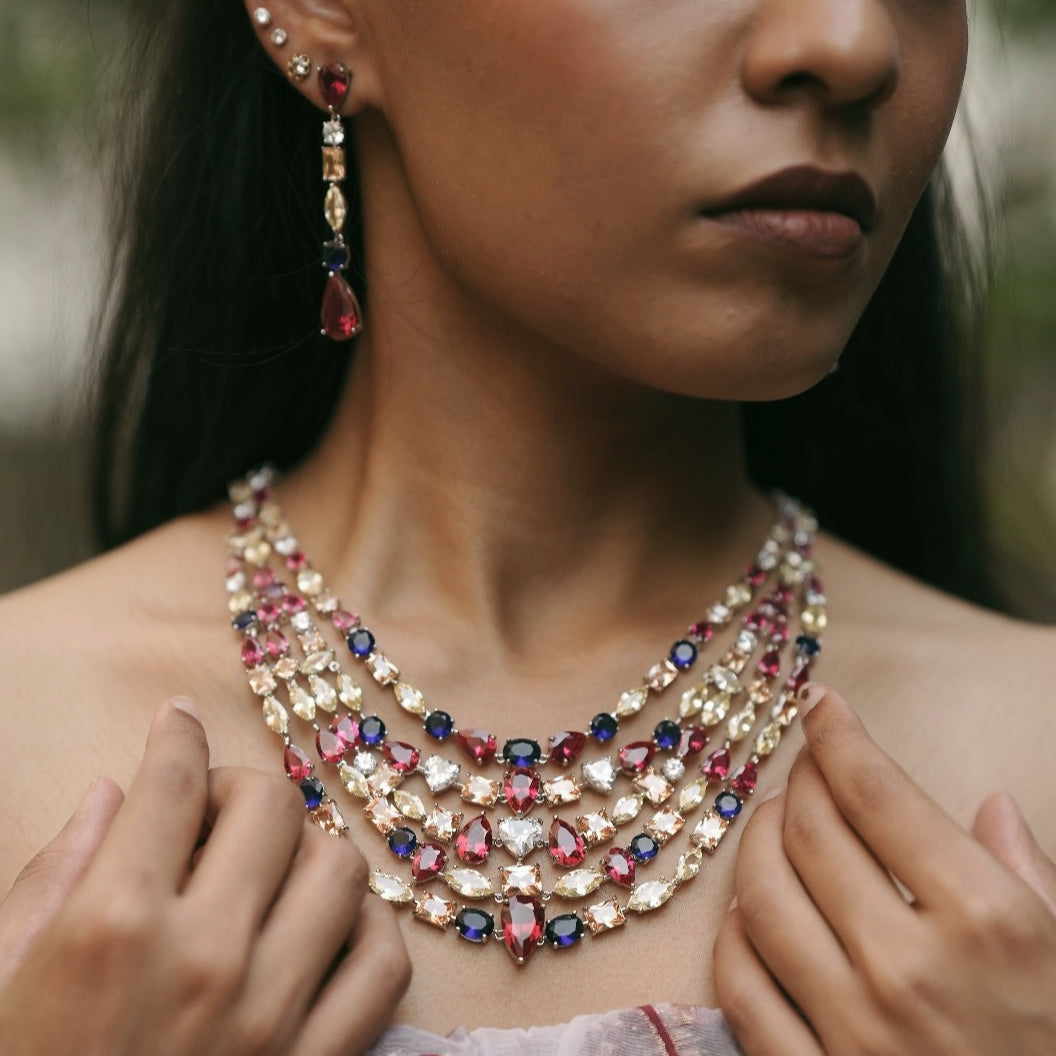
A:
573, 164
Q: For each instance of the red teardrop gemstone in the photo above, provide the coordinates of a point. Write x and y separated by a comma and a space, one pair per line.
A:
743, 782
402, 757
779, 633
619, 867
521, 789
479, 745
341, 313
346, 727
474, 840
268, 612
567, 847
331, 748
334, 80
755, 575
252, 652
694, 741
263, 577
770, 664
565, 747
799, 676
717, 765
428, 861
522, 926
298, 765
635, 757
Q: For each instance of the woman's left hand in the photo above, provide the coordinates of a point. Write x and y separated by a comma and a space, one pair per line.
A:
822, 952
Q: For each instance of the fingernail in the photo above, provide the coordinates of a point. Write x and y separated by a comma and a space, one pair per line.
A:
809, 694
185, 704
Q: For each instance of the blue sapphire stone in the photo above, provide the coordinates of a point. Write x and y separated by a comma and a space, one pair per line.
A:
313, 791
439, 724
474, 925
667, 734
402, 842
361, 642
728, 805
244, 621
335, 255
371, 730
603, 727
806, 645
643, 847
683, 654
564, 931
521, 752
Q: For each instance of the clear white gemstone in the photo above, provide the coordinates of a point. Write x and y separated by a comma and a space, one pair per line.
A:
650, 895
468, 883
365, 762
627, 808
520, 835
439, 773
301, 622
600, 774
674, 769
579, 883
286, 545
747, 642
333, 133
278, 36
391, 888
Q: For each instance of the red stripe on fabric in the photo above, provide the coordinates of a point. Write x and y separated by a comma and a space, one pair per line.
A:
658, 1025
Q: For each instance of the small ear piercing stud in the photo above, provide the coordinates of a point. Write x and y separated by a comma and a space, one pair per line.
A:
262, 17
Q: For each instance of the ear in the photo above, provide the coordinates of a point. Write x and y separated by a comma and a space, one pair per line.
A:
303, 36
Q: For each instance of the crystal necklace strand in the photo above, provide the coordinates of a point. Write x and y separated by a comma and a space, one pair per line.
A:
259, 611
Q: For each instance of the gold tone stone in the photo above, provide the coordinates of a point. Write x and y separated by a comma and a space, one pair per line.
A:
271, 515
299, 67
692, 795
579, 883
329, 819
275, 716
561, 790
693, 701
724, 680
759, 692
468, 883
336, 209
650, 895
665, 824
240, 601
349, 693
734, 660
262, 681
521, 879
312, 641
604, 916
661, 675
715, 710
709, 831
285, 668
316, 663
738, 595
655, 787
719, 615
632, 702
740, 725
432, 909
385, 672
409, 805
324, 693
768, 739
595, 828
309, 582
239, 491
627, 808
384, 780
391, 888
441, 824
382, 815
480, 790
786, 714
302, 701
333, 163
326, 603
689, 864
354, 781
258, 553
814, 619
410, 699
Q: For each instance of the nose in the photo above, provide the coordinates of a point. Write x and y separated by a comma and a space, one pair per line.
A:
844, 53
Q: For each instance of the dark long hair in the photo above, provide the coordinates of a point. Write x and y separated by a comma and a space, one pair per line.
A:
210, 361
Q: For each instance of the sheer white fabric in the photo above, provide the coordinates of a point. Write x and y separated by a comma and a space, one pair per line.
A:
653, 1030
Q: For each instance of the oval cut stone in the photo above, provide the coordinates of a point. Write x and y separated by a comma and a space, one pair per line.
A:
567, 746
298, 765
361, 643
473, 843
564, 931
371, 730
313, 791
683, 654
479, 745
567, 847
521, 752
474, 925
402, 841
603, 727
428, 861
522, 926
331, 747
439, 725
402, 757
635, 757
619, 867
521, 789
667, 734
644, 848
728, 805
252, 652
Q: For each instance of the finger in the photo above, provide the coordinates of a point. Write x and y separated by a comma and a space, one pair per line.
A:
889, 811
342, 1022
257, 822
1001, 828
44, 884
154, 834
850, 888
759, 1014
785, 928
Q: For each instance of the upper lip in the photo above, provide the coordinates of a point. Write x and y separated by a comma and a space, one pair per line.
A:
806, 187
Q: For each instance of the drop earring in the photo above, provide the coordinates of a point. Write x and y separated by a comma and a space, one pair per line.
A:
341, 315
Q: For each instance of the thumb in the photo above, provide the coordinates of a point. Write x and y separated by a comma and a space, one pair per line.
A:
47, 879
1001, 828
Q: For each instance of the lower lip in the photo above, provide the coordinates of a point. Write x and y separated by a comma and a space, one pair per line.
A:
816, 233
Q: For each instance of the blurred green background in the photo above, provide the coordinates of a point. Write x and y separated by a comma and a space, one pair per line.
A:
59, 70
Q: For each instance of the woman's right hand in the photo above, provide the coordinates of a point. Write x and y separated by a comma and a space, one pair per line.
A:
112, 944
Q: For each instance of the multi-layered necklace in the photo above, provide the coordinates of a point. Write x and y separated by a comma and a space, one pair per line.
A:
446, 798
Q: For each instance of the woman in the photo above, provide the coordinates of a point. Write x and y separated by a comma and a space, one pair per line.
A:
590, 231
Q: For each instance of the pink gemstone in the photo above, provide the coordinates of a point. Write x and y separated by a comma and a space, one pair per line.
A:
717, 765
402, 757
694, 741
334, 80
770, 664
233, 565
635, 757
340, 316
428, 861
782, 596
702, 631
566, 747
268, 612
521, 789
331, 747
479, 745
276, 644
345, 621
757, 620
292, 604
473, 842
243, 524
755, 575
263, 577
262, 494
346, 727
743, 782
522, 926
567, 847
298, 765
799, 676
296, 561
252, 653
779, 633
619, 867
